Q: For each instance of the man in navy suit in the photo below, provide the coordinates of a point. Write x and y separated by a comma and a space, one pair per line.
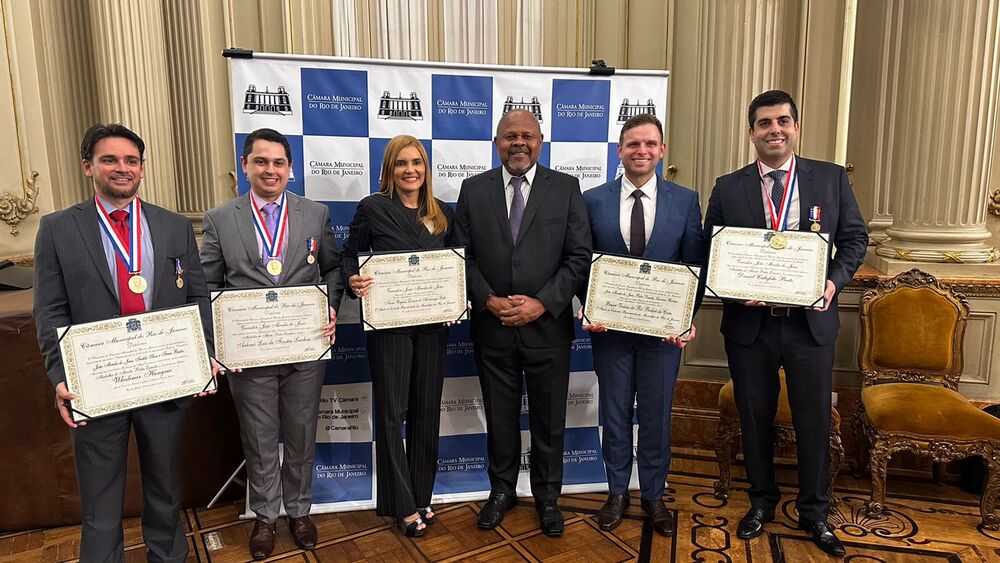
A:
640, 215
782, 191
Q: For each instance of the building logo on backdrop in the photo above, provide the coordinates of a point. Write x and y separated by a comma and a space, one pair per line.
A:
399, 107
277, 103
627, 110
534, 107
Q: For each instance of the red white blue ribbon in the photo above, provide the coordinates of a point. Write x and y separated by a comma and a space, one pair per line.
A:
271, 241
132, 256
779, 221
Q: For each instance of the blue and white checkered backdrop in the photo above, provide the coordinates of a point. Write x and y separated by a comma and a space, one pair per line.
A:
338, 115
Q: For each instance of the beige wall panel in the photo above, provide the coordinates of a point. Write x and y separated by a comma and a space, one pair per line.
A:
820, 90
311, 23
610, 39
646, 42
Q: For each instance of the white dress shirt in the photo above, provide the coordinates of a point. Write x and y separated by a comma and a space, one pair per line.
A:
767, 182
508, 190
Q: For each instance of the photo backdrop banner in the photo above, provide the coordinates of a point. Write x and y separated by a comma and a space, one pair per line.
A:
338, 115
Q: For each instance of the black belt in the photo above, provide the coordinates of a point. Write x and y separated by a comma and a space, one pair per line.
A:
784, 311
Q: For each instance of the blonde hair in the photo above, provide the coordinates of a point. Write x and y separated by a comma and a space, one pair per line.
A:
428, 210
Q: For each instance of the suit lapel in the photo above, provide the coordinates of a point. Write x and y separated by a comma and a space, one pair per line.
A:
538, 189
295, 241
244, 226
661, 224
803, 185
612, 215
499, 199
86, 224
158, 231
751, 191
407, 228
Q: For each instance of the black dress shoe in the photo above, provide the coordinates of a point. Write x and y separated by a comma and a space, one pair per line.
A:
492, 513
823, 536
550, 520
659, 516
262, 539
752, 525
610, 515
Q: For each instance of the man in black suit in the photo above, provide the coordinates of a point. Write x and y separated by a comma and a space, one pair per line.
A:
80, 278
527, 241
784, 192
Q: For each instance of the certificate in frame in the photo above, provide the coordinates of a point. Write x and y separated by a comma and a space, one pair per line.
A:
414, 288
786, 268
641, 296
269, 326
129, 362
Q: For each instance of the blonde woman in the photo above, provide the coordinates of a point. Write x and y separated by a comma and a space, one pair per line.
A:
407, 364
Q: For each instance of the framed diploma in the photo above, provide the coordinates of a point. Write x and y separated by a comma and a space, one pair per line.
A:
641, 296
787, 268
414, 288
270, 326
133, 361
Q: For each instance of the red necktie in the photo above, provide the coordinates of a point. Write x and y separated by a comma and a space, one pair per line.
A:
131, 302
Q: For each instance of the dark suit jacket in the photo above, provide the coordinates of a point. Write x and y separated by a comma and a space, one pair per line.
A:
381, 224
549, 260
737, 202
74, 285
676, 235
231, 257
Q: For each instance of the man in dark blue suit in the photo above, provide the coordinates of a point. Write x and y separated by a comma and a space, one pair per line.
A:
644, 216
784, 192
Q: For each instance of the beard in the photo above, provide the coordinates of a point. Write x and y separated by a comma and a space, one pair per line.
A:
110, 191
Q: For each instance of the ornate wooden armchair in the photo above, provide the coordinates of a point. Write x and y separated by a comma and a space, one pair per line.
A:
912, 328
727, 441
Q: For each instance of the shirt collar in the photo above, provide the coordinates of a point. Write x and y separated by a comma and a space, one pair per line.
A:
529, 176
648, 189
107, 206
259, 203
765, 169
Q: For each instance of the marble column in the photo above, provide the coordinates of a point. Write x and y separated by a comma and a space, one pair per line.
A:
132, 86
948, 87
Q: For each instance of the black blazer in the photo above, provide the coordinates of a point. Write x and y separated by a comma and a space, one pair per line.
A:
737, 202
382, 224
74, 285
549, 261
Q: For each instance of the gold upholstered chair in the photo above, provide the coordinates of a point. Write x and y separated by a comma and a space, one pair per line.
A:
912, 328
727, 441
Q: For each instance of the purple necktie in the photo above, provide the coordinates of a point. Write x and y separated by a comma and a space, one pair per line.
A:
516, 206
270, 212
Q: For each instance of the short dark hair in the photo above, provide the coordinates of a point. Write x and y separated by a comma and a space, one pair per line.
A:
772, 98
99, 131
266, 134
641, 119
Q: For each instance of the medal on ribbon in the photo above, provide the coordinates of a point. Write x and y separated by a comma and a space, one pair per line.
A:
779, 216
272, 241
311, 246
131, 256
179, 271
814, 214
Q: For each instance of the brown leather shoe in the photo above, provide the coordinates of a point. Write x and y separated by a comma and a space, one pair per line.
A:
303, 532
262, 540
610, 515
659, 516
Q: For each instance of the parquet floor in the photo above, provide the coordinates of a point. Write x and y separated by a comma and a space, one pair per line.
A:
926, 522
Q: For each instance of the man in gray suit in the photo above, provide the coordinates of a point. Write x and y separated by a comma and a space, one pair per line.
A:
267, 238
80, 277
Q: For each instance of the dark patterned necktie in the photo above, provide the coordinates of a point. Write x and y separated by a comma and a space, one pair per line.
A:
777, 190
637, 233
516, 206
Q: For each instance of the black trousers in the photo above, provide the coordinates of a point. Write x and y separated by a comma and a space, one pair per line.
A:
407, 368
546, 372
787, 342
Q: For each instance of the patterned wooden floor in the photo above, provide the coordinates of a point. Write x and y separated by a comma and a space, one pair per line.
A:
926, 522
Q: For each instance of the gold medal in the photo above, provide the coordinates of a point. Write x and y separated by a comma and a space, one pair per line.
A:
137, 284
779, 241
814, 227
180, 283
274, 267
311, 259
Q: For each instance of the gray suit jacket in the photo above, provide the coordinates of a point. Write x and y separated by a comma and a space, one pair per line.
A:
231, 258
74, 285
